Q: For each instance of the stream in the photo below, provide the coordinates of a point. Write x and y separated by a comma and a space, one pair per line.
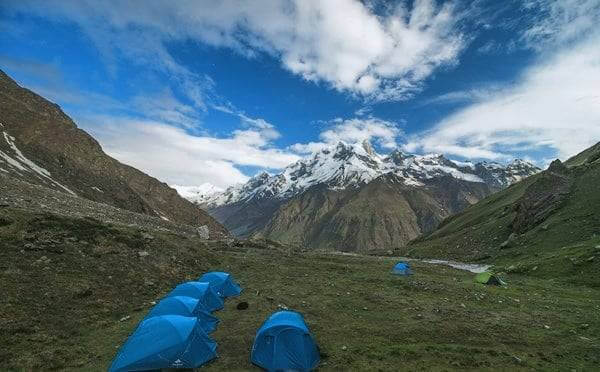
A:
474, 268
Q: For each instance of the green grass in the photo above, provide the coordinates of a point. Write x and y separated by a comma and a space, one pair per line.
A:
65, 315
562, 247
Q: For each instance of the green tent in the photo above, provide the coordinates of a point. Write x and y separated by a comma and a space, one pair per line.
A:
488, 278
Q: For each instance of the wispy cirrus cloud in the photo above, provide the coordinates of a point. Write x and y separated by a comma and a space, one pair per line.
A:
555, 104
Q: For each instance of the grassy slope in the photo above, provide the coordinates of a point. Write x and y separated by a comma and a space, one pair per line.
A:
64, 314
564, 246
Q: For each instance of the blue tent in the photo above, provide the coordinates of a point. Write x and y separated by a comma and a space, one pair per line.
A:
201, 291
222, 283
185, 306
284, 343
166, 341
402, 268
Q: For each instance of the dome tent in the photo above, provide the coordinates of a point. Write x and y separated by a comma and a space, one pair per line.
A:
201, 291
185, 306
166, 341
402, 268
222, 283
488, 278
284, 342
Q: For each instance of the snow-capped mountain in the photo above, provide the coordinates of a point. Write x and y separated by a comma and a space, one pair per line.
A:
197, 194
355, 165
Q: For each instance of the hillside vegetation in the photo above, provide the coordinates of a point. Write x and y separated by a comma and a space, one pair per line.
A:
74, 288
547, 225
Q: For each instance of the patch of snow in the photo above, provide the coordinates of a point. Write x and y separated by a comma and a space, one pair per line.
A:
352, 165
24, 164
192, 192
463, 164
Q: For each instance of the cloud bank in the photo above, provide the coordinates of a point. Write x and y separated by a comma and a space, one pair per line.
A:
342, 43
172, 154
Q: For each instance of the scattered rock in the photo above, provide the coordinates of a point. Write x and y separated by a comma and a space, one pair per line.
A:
203, 232
127, 317
517, 359
42, 261
282, 307
509, 242
143, 253
590, 259
545, 227
463, 305
147, 236
242, 305
344, 347
83, 291
585, 326
4, 221
546, 326
270, 298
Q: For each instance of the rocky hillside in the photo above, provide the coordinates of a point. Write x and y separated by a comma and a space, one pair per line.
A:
546, 225
39, 144
350, 198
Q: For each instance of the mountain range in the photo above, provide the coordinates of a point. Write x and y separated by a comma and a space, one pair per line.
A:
348, 197
41, 145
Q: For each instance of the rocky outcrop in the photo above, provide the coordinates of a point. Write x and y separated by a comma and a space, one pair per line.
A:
40, 144
542, 198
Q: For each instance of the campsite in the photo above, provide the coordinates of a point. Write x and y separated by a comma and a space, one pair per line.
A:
437, 318
299, 185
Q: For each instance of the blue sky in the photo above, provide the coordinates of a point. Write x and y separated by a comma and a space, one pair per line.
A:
214, 91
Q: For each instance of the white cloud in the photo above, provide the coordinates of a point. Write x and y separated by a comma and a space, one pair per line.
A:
164, 106
560, 21
556, 104
340, 42
177, 157
383, 133
468, 96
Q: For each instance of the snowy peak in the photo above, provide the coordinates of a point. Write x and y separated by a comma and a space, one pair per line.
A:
197, 193
502, 176
352, 165
368, 148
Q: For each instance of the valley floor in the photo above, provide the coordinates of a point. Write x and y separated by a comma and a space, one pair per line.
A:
74, 288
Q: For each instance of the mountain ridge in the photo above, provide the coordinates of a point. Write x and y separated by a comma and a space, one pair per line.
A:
546, 225
412, 167
312, 202
40, 144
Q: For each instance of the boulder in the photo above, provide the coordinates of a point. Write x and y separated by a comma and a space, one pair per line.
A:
203, 232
